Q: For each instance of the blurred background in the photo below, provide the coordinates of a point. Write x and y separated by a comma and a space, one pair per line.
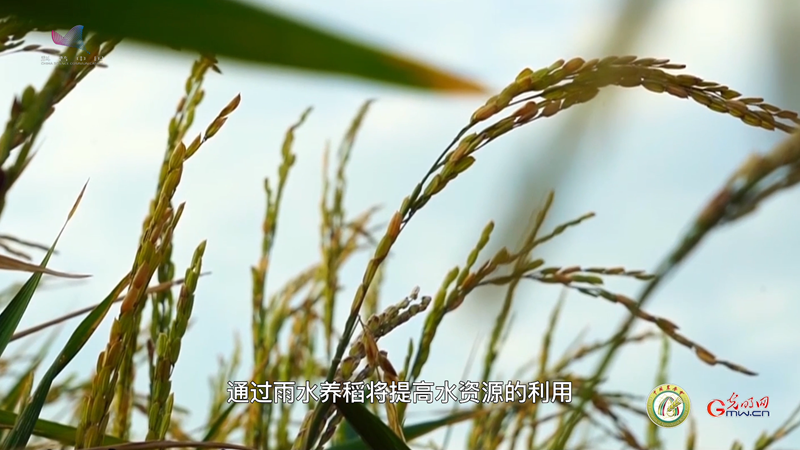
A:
645, 163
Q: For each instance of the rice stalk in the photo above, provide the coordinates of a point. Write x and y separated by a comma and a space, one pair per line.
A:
168, 348
260, 415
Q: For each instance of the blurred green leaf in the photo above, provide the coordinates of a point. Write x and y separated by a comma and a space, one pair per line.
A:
63, 434
374, 433
654, 441
348, 436
412, 431
232, 29
786, 59
26, 423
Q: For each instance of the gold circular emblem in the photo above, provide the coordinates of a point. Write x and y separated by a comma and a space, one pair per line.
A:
668, 405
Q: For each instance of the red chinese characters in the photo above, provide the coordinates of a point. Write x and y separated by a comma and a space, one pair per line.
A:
732, 402
749, 408
747, 403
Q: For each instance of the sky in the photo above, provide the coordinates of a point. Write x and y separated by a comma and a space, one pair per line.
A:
644, 163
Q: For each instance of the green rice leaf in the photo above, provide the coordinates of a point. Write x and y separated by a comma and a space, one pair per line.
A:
13, 312
26, 422
411, 431
63, 434
232, 29
375, 434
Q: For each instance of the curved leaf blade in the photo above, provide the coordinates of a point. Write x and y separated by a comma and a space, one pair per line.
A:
374, 433
13, 312
63, 434
26, 421
236, 30
417, 430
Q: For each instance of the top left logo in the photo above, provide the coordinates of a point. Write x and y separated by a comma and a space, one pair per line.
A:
73, 38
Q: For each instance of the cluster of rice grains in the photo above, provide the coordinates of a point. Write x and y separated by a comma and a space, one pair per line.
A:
544, 93
115, 366
365, 346
565, 84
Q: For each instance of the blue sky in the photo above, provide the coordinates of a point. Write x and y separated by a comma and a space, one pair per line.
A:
644, 163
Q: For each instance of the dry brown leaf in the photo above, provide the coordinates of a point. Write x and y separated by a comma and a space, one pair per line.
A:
9, 263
